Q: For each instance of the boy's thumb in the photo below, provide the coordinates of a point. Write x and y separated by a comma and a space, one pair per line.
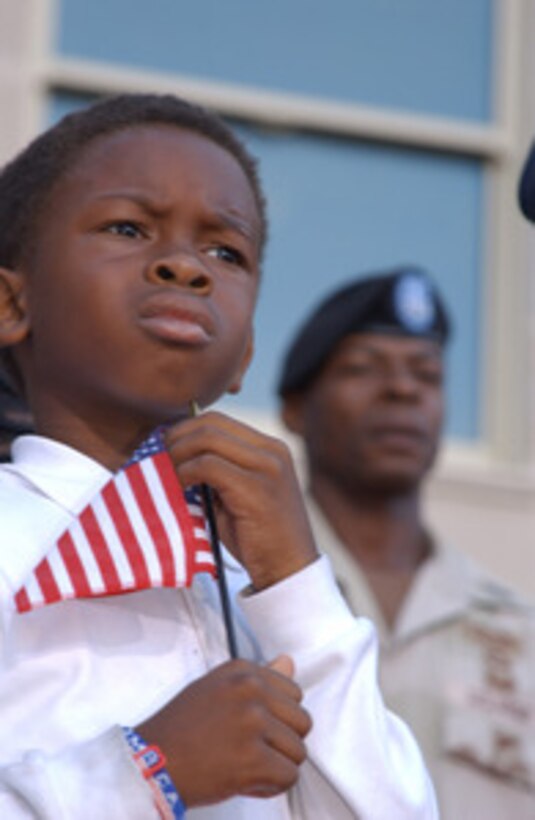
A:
284, 665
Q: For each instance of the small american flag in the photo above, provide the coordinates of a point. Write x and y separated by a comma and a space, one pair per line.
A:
141, 531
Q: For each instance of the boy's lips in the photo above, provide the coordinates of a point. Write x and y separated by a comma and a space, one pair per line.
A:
176, 324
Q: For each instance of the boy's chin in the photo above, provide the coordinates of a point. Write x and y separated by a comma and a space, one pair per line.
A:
174, 406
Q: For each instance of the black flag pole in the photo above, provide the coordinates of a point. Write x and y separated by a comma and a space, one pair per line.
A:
208, 504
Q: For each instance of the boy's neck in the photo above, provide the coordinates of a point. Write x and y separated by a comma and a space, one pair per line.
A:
109, 444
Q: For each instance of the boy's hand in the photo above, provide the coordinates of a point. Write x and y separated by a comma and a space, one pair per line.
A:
237, 731
259, 502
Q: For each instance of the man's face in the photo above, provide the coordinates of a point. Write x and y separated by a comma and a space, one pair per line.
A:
372, 417
143, 284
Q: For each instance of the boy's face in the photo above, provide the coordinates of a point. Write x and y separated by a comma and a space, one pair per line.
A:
372, 417
142, 288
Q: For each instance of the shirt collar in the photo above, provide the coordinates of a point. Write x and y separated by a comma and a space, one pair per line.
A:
57, 471
443, 588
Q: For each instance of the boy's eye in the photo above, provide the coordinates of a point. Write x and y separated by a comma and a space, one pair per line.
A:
227, 254
124, 228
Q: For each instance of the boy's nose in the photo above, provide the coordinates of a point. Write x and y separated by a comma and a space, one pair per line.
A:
183, 269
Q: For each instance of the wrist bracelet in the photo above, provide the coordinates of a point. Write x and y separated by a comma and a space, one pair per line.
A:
151, 761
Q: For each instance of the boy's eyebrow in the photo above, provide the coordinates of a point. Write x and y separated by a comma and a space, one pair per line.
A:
133, 196
235, 222
228, 218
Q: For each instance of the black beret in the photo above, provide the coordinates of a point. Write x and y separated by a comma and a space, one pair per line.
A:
526, 188
403, 302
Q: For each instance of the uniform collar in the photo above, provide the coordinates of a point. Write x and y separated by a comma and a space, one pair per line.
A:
444, 587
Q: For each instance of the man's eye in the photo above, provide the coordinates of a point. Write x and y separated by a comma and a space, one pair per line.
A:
429, 375
124, 228
227, 254
359, 369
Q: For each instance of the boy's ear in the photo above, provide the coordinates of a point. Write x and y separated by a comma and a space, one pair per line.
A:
235, 385
14, 318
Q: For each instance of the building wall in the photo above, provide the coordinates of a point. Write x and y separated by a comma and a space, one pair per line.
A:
387, 132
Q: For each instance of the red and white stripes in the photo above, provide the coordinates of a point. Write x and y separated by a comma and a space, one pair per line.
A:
139, 532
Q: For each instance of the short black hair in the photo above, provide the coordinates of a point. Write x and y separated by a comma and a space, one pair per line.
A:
26, 183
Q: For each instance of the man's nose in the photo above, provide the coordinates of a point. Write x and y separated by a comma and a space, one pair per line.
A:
182, 267
400, 382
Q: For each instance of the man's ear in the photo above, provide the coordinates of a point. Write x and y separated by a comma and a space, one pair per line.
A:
235, 385
292, 412
14, 318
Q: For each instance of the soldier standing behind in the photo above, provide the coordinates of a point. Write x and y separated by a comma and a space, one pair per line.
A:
362, 385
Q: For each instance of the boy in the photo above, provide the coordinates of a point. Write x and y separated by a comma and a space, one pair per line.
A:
129, 278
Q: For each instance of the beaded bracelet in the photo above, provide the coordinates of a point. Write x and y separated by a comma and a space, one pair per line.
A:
151, 762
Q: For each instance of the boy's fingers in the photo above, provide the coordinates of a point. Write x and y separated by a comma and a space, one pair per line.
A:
279, 696
212, 421
284, 665
290, 717
245, 449
287, 742
283, 679
289, 712
214, 439
278, 774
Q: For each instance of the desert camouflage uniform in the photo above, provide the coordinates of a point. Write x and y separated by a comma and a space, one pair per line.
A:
459, 667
